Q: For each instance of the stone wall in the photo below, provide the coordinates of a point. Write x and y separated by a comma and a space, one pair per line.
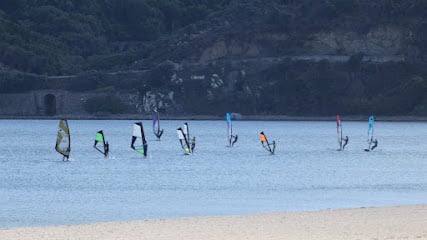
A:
57, 103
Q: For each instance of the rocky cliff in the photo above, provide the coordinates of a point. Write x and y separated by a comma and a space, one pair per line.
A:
281, 57
275, 59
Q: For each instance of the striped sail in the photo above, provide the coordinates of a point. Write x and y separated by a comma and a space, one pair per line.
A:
63, 143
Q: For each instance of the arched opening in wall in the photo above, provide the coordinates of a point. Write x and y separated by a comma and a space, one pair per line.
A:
50, 104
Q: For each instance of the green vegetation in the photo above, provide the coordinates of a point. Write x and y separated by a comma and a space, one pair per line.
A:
59, 37
67, 37
108, 45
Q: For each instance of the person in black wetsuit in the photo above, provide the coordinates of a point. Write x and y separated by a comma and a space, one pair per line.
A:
193, 144
375, 142
234, 139
345, 142
106, 149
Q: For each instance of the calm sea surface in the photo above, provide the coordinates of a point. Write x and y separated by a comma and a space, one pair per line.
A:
307, 173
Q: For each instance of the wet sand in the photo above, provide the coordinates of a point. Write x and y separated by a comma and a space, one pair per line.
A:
401, 222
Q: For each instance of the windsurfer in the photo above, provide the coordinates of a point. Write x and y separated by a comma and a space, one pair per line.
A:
345, 142
106, 149
234, 139
145, 147
193, 144
375, 142
159, 134
266, 144
66, 156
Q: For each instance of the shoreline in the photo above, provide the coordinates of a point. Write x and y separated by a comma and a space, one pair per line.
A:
398, 222
215, 117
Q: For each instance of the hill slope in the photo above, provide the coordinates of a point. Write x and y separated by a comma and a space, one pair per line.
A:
282, 57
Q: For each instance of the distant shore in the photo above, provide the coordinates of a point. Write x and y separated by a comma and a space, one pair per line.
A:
216, 117
401, 222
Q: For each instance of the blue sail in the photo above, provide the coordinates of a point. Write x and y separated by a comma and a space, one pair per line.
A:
231, 139
371, 139
370, 127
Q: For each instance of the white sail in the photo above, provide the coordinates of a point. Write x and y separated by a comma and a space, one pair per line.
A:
63, 143
137, 130
185, 129
180, 134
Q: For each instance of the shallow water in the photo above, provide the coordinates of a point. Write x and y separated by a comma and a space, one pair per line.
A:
307, 173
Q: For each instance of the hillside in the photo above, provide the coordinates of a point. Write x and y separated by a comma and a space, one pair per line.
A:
282, 57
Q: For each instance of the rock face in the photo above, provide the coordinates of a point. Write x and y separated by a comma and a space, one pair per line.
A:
279, 58
277, 62
381, 41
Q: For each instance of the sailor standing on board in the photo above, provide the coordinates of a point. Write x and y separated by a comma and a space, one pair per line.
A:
66, 156
233, 139
265, 143
106, 149
375, 142
193, 144
345, 142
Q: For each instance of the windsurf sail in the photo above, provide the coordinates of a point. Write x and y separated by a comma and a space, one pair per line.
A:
271, 147
63, 140
184, 139
230, 137
156, 125
138, 133
342, 142
100, 142
370, 133
339, 132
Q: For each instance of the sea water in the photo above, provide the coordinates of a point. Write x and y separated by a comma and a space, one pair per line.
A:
307, 172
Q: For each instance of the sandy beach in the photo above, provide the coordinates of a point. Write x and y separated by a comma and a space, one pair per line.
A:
401, 222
